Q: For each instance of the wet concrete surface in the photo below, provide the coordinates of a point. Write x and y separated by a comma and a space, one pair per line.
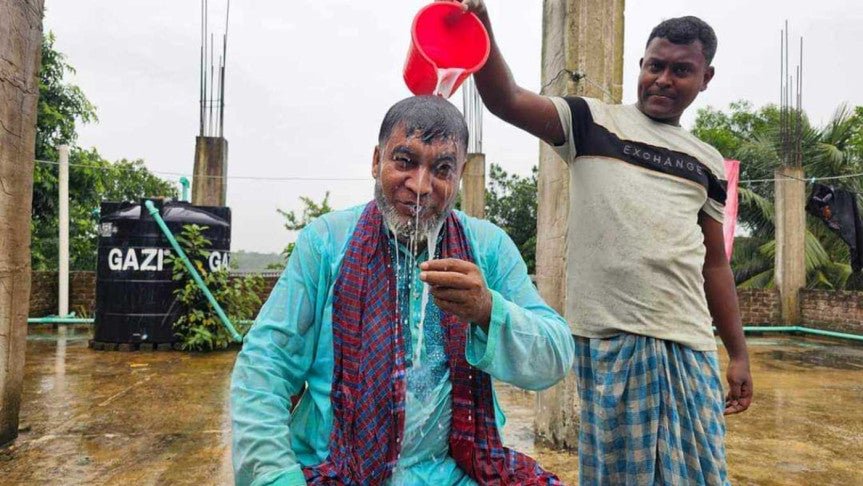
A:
95, 417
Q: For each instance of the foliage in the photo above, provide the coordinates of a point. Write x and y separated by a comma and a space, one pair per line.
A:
61, 104
511, 203
294, 222
199, 327
92, 179
752, 136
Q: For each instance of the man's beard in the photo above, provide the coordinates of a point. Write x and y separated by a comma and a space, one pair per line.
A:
407, 227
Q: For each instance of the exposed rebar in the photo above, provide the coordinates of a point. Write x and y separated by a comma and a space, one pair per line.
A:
212, 82
790, 104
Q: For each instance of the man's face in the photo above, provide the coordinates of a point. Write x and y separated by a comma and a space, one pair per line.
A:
416, 181
671, 77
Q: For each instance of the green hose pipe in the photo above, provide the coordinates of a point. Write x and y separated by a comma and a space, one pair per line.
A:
819, 332
769, 328
184, 181
58, 320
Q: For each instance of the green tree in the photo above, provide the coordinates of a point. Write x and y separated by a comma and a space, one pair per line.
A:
92, 179
296, 222
511, 203
856, 138
752, 136
62, 105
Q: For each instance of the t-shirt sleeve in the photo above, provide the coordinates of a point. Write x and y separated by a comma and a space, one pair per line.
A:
717, 189
574, 114
566, 150
715, 210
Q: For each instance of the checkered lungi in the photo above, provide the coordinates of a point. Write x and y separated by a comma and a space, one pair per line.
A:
651, 413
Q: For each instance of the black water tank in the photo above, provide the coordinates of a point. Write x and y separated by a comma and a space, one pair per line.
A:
135, 300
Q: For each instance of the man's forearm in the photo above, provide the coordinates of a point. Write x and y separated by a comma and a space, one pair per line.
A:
722, 302
494, 81
530, 347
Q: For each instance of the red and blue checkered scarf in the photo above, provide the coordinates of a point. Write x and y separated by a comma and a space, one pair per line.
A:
368, 391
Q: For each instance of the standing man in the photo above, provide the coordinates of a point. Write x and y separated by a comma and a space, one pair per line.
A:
397, 381
646, 265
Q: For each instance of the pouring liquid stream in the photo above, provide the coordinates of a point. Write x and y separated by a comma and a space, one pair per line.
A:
446, 81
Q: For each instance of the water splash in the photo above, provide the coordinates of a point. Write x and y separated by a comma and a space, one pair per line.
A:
431, 242
414, 246
446, 81
398, 272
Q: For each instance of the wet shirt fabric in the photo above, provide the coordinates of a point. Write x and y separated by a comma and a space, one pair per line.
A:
635, 251
291, 343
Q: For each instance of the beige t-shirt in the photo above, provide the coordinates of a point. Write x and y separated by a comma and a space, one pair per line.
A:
635, 251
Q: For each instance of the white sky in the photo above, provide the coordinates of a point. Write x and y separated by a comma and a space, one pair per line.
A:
308, 82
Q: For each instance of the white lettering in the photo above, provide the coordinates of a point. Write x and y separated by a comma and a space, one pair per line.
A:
163, 254
215, 261
219, 261
150, 254
131, 260
115, 259
148, 260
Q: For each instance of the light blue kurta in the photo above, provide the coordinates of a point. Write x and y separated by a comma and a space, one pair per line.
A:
291, 344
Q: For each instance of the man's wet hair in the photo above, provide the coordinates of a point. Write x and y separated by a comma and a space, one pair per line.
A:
430, 117
686, 30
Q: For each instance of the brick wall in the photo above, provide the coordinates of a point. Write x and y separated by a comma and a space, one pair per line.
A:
44, 291
840, 311
82, 293
270, 279
269, 283
832, 310
759, 306
43, 294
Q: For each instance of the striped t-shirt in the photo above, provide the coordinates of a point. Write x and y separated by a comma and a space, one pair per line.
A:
635, 251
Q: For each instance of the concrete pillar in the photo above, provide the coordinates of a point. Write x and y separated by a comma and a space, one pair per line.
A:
473, 186
63, 223
790, 223
584, 36
209, 182
20, 50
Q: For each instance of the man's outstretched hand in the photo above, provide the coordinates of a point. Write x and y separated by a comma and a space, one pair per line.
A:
458, 288
475, 6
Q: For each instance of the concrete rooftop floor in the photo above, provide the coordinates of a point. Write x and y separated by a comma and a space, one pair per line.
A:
96, 417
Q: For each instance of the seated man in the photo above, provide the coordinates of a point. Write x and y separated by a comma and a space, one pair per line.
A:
398, 386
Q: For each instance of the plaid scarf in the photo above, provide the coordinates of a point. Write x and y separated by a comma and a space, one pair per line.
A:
368, 391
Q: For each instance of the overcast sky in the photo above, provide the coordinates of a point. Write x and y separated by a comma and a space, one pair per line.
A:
308, 82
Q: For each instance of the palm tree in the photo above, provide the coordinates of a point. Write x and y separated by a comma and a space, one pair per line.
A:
753, 137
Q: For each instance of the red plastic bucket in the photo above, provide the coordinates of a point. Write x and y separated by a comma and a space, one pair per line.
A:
447, 46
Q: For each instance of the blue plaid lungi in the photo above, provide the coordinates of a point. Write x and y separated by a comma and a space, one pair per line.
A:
651, 413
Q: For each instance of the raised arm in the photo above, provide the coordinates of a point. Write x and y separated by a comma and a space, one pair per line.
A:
513, 104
